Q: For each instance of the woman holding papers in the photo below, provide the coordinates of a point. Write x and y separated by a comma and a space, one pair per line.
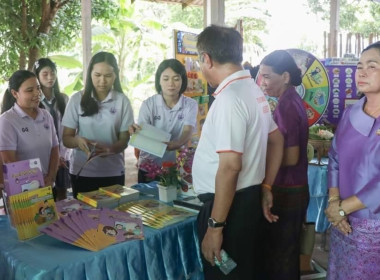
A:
96, 123
168, 110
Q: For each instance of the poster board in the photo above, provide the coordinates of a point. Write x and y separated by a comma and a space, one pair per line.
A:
186, 52
341, 72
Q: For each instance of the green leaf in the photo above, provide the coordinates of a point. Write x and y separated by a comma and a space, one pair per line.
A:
65, 61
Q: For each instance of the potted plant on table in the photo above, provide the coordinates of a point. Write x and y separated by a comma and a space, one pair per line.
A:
167, 177
320, 137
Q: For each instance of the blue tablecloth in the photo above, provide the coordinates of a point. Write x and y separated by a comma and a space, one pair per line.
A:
317, 177
170, 253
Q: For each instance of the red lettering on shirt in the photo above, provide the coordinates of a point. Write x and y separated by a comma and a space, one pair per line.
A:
261, 99
265, 109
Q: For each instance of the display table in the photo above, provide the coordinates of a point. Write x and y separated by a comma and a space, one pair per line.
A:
170, 253
317, 177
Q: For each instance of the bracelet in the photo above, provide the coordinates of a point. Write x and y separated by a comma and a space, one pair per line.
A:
333, 198
269, 187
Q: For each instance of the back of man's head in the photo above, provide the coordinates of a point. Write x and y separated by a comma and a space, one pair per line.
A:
222, 44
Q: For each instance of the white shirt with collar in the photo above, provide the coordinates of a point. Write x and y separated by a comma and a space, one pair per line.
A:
63, 151
239, 121
154, 111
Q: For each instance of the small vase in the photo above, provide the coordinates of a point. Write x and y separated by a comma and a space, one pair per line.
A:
167, 193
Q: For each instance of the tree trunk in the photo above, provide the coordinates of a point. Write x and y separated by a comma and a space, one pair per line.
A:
334, 27
22, 58
49, 10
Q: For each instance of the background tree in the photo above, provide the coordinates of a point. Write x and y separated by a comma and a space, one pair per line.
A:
32, 28
355, 16
254, 18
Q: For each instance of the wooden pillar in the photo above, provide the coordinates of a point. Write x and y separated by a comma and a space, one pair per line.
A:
86, 35
325, 44
334, 27
213, 12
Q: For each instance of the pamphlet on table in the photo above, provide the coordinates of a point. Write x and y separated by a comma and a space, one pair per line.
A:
96, 229
156, 214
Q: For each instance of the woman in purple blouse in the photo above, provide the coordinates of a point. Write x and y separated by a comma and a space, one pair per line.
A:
354, 179
290, 193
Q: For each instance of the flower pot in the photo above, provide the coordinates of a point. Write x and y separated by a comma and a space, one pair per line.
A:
322, 147
167, 193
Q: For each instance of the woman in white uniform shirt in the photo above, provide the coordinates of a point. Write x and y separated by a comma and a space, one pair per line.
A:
55, 102
168, 110
98, 119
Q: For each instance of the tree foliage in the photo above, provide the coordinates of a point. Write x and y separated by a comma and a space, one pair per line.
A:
33, 28
355, 16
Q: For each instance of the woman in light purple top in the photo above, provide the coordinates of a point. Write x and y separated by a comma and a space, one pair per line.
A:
354, 180
27, 131
280, 75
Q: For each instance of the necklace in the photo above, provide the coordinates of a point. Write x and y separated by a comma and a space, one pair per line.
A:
373, 113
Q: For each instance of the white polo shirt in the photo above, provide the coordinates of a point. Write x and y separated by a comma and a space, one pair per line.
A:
28, 137
239, 121
115, 115
155, 112
63, 151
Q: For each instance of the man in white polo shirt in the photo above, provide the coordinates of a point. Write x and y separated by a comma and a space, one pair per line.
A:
230, 160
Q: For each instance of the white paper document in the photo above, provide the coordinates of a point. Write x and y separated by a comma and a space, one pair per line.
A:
150, 139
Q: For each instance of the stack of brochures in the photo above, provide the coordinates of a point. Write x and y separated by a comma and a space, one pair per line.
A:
31, 211
156, 214
123, 193
96, 229
98, 199
69, 205
110, 197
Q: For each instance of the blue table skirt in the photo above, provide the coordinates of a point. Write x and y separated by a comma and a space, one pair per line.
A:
169, 253
317, 177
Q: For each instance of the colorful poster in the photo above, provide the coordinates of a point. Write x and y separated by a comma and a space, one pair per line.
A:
314, 89
342, 87
186, 52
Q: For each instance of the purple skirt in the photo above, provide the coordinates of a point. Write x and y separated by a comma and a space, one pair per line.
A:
356, 256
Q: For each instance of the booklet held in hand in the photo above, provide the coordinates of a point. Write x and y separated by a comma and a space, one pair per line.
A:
150, 139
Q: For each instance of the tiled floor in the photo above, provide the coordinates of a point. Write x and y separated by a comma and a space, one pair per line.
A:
319, 258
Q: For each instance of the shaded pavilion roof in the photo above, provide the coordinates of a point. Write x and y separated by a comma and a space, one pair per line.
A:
184, 3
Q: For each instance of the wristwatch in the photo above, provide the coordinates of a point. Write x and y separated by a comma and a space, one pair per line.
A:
341, 211
214, 224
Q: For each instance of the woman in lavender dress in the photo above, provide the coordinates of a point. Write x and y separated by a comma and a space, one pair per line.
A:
354, 180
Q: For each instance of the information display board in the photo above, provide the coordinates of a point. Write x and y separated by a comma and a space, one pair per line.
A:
186, 53
342, 86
